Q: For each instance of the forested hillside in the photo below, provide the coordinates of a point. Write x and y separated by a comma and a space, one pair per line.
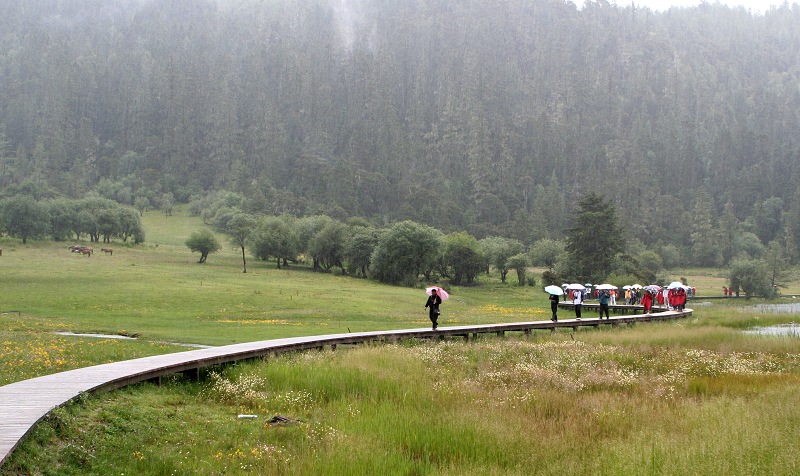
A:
491, 117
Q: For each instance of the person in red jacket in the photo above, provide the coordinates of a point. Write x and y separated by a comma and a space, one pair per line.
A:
680, 299
647, 301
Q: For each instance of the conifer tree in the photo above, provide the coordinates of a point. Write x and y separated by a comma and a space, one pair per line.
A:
594, 239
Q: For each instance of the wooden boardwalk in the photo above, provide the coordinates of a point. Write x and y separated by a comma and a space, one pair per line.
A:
24, 403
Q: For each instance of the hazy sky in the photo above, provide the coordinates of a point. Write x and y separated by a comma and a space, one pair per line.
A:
757, 6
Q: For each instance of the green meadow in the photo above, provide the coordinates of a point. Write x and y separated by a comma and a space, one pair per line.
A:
696, 396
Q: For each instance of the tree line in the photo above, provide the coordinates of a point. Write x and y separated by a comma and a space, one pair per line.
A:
410, 253
64, 219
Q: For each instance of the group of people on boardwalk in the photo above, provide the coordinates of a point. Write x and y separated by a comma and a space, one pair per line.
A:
673, 296
676, 299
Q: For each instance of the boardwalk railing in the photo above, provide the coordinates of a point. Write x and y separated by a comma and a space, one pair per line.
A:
24, 403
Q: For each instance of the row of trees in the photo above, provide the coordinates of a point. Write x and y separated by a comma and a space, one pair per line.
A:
63, 219
407, 252
404, 252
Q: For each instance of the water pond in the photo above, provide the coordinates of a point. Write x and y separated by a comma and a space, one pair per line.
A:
790, 330
121, 337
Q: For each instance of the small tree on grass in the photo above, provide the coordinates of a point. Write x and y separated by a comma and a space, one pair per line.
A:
203, 242
275, 237
240, 227
462, 257
750, 276
497, 250
519, 263
405, 251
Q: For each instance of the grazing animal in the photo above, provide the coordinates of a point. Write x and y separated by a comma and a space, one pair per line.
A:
75, 248
107, 251
85, 250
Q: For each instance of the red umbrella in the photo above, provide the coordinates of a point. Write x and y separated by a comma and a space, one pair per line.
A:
441, 292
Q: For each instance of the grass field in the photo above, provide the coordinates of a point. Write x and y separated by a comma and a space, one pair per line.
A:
693, 397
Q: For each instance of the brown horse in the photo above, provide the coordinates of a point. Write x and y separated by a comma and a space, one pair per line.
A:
85, 250
107, 251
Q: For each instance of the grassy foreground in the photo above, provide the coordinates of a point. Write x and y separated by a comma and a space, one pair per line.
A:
628, 401
692, 397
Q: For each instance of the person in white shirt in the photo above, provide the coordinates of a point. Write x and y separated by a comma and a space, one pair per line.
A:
577, 299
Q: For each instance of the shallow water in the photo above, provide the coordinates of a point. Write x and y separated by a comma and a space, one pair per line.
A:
112, 336
788, 308
102, 336
791, 330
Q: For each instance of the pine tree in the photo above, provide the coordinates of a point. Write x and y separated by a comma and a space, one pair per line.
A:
594, 239
705, 248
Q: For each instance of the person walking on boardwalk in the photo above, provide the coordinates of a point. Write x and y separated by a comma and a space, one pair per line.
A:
432, 304
554, 307
647, 301
577, 299
603, 297
554, 292
680, 299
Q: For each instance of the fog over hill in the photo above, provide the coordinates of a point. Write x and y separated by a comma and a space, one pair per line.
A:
493, 118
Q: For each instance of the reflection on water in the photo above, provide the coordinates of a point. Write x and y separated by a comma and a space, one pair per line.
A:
791, 330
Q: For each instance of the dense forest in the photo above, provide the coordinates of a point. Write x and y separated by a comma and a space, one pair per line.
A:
489, 117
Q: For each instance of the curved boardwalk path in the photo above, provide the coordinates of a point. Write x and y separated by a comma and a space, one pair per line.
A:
24, 403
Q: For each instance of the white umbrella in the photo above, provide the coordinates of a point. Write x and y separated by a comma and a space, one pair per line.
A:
553, 290
675, 285
576, 286
627, 286
636, 286
606, 286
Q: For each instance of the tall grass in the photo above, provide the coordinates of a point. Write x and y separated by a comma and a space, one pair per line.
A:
538, 405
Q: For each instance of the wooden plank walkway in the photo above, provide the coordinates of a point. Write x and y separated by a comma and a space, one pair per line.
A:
25, 403
613, 308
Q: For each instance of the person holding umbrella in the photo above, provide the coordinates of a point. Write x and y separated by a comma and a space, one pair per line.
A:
576, 291
432, 304
554, 292
603, 297
647, 301
577, 299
